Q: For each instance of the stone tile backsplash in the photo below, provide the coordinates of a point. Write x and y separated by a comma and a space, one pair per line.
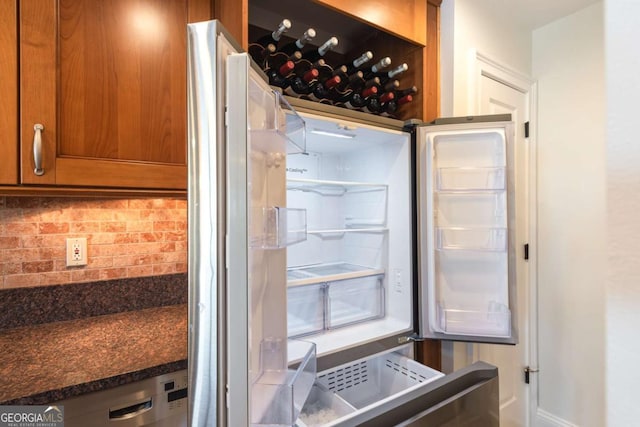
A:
125, 238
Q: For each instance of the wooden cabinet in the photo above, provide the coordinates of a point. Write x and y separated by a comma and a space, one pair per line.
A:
106, 79
405, 30
9, 93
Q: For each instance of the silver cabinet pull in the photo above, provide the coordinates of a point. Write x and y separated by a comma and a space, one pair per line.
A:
37, 149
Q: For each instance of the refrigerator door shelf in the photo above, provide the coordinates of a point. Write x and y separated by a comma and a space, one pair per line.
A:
470, 179
279, 394
471, 239
265, 118
363, 384
277, 227
494, 321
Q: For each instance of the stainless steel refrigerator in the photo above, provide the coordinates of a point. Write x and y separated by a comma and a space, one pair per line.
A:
324, 242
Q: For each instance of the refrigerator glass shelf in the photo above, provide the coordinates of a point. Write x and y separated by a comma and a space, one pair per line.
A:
319, 273
337, 231
471, 239
470, 179
333, 188
280, 392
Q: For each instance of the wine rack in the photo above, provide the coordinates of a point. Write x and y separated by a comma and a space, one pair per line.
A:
355, 38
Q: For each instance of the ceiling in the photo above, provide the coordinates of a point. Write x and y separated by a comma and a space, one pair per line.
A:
537, 13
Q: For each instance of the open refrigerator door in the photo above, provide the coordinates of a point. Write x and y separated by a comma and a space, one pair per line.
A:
466, 228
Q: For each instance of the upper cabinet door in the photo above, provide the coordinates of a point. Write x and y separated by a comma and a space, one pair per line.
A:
103, 92
9, 91
466, 185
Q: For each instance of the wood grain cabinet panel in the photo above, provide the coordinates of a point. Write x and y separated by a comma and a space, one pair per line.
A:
9, 92
405, 18
107, 80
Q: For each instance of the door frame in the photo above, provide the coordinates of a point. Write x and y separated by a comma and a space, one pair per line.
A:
481, 65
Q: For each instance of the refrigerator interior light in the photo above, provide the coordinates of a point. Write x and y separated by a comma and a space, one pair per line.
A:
333, 134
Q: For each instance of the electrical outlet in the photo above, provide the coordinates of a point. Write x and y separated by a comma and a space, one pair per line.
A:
76, 251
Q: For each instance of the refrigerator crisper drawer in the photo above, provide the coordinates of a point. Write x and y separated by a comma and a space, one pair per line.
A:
334, 304
362, 385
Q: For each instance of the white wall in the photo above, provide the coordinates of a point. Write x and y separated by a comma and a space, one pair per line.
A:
623, 208
483, 26
568, 63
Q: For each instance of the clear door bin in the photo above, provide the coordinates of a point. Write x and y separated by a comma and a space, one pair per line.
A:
476, 239
276, 227
305, 310
281, 393
354, 300
365, 382
494, 321
470, 179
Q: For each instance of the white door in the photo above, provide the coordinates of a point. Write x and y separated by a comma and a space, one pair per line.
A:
498, 98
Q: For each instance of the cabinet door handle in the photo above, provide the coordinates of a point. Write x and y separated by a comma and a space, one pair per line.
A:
37, 149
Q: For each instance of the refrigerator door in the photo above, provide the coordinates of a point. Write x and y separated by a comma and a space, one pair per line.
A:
239, 227
466, 218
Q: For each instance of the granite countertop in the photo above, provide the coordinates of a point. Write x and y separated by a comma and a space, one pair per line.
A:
47, 362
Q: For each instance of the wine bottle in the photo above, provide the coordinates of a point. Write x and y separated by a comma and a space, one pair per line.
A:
357, 63
385, 77
358, 100
260, 54
401, 93
274, 37
276, 74
322, 91
302, 85
376, 104
391, 107
297, 45
391, 86
376, 69
277, 59
315, 54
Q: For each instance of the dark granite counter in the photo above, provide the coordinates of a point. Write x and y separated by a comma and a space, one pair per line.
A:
46, 362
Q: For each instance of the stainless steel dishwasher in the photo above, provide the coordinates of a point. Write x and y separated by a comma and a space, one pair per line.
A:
159, 402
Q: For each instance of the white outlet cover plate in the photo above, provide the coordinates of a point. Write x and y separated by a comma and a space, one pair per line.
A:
76, 251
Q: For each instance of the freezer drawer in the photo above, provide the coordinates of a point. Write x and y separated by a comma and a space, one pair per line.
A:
347, 390
466, 397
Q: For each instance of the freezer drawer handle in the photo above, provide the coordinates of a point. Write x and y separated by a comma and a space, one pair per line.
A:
130, 411
37, 149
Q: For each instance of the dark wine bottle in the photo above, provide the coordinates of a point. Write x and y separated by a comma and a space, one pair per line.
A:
358, 99
385, 77
391, 107
274, 37
260, 54
277, 59
376, 69
323, 91
401, 93
276, 74
391, 86
299, 44
376, 104
315, 54
302, 85
356, 64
